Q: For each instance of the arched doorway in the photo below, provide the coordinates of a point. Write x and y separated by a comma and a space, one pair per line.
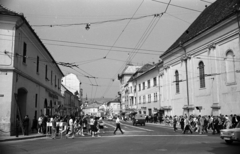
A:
22, 102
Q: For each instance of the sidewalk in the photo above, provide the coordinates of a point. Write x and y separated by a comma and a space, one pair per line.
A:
21, 137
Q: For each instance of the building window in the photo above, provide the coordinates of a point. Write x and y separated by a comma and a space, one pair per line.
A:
177, 81
139, 87
155, 97
24, 52
51, 77
139, 99
144, 99
37, 69
58, 84
148, 83
155, 81
143, 86
135, 87
149, 98
131, 89
46, 72
201, 74
36, 100
230, 67
55, 81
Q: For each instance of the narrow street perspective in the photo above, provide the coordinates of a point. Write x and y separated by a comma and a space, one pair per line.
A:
119, 76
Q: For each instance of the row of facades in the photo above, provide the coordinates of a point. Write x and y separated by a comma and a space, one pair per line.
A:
198, 74
30, 79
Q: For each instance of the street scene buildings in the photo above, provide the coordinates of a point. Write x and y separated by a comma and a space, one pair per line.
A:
120, 76
185, 94
198, 74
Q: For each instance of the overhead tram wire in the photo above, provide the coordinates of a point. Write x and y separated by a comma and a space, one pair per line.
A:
178, 18
87, 44
145, 32
146, 37
190, 9
92, 23
99, 49
206, 1
117, 40
124, 29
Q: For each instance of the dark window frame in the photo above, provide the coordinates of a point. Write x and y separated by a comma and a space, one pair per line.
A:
24, 60
37, 67
36, 100
46, 72
201, 74
177, 82
155, 81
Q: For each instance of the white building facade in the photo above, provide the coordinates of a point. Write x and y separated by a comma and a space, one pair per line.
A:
30, 79
124, 78
145, 93
200, 73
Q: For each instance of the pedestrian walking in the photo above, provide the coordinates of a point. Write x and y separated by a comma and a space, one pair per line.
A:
187, 126
91, 124
71, 128
34, 124
182, 123
17, 125
26, 125
227, 123
54, 127
40, 120
175, 123
96, 127
118, 126
215, 125
101, 125
85, 124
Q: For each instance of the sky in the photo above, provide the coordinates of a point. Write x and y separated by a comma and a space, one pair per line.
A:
121, 31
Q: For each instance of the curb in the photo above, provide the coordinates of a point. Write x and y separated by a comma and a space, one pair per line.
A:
21, 138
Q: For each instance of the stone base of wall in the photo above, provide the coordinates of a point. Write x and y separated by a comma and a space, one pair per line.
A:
5, 129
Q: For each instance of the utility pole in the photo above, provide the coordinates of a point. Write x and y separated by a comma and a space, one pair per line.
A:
186, 68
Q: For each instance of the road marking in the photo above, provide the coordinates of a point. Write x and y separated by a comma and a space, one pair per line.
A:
138, 127
158, 125
120, 135
128, 131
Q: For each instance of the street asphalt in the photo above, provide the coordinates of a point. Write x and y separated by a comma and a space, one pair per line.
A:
149, 139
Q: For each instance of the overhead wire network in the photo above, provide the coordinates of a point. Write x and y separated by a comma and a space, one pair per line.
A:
94, 23
110, 83
154, 15
104, 47
147, 33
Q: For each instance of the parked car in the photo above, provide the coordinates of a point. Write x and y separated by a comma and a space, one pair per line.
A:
230, 135
139, 119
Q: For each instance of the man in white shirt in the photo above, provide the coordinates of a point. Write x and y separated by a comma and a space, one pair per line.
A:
118, 125
71, 132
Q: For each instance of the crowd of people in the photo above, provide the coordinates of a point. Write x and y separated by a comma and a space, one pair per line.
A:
70, 126
202, 124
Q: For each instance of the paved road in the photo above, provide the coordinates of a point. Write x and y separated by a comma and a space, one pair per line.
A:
149, 139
